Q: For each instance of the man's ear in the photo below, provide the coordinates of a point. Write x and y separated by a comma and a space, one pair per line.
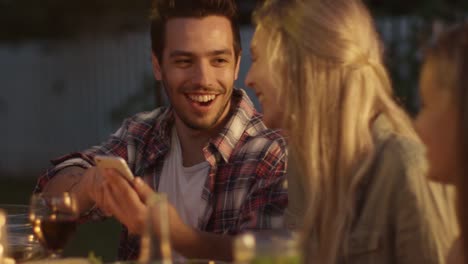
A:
156, 67
236, 72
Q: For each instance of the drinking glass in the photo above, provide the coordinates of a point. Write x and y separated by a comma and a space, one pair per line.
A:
22, 245
156, 244
153, 247
3, 237
54, 219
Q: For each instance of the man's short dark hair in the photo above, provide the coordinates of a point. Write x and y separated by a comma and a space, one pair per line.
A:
163, 10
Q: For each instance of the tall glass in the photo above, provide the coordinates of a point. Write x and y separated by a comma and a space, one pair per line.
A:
156, 247
54, 219
3, 237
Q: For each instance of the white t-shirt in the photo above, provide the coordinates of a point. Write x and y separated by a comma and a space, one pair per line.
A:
183, 185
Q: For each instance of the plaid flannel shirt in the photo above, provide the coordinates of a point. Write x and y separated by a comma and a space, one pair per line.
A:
245, 186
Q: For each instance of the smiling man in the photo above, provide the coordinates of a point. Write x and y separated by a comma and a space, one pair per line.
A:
222, 169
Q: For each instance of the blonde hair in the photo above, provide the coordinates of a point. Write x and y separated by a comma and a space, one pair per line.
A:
326, 58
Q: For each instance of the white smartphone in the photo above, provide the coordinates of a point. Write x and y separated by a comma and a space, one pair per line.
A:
114, 162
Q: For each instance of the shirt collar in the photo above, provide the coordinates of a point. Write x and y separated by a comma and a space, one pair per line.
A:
241, 114
159, 143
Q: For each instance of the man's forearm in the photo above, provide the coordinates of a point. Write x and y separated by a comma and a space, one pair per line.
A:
71, 179
203, 245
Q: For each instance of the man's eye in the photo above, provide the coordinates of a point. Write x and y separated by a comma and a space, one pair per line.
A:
220, 61
183, 62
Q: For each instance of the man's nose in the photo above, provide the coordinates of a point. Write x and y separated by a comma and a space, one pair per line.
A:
203, 75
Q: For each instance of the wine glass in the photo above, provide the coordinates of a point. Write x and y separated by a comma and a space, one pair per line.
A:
54, 219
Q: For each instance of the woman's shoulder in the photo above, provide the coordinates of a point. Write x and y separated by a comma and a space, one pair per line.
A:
419, 208
397, 170
400, 173
397, 153
403, 175
403, 157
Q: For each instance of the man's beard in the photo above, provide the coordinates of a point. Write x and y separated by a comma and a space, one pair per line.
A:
186, 120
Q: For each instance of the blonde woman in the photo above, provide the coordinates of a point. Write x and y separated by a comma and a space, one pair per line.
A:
444, 92
357, 186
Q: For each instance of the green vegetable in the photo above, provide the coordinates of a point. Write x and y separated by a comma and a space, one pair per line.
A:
93, 259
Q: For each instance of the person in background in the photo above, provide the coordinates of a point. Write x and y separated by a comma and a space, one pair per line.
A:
443, 120
357, 185
222, 169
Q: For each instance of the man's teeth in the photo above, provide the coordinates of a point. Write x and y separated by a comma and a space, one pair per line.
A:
202, 98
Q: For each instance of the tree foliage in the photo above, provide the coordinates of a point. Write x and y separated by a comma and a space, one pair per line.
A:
50, 19
449, 9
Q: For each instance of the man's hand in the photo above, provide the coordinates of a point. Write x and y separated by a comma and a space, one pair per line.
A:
186, 240
176, 224
123, 202
127, 202
91, 185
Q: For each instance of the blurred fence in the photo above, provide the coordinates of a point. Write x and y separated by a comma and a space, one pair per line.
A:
59, 97
63, 96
